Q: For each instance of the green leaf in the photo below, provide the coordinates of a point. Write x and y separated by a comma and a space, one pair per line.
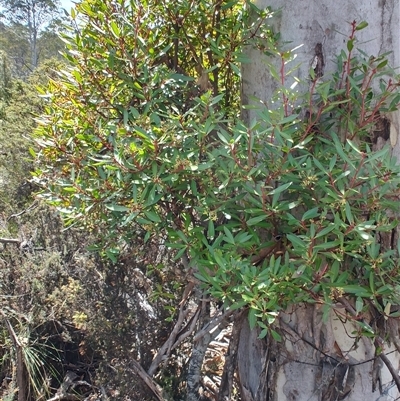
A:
115, 29
357, 290
210, 230
263, 333
351, 143
180, 254
372, 281
235, 69
280, 189
117, 208
32, 152
350, 45
237, 305
361, 25
296, 241
276, 336
326, 230
310, 214
349, 215
112, 254
334, 270
255, 220
152, 216
228, 236
327, 245
217, 99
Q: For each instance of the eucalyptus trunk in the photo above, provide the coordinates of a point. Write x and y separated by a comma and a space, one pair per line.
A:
321, 359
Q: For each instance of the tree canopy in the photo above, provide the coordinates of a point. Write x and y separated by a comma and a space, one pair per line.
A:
29, 33
143, 139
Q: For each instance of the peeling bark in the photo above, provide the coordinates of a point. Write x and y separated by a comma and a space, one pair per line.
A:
194, 375
252, 361
195, 364
207, 333
316, 361
225, 390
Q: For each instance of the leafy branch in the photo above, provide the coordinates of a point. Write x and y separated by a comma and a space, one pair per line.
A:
289, 209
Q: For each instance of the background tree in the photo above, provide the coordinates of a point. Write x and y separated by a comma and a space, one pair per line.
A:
283, 219
25, 22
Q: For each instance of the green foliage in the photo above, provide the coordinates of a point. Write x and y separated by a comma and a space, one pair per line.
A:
20, 104
130, 98
141, 140
5, 83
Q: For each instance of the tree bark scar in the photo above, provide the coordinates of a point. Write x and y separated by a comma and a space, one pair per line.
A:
318, 62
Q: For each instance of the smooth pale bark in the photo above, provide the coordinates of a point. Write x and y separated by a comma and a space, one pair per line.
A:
320, 361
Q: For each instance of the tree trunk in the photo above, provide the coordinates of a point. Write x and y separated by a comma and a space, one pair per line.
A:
315, 361
32, 29
318, 361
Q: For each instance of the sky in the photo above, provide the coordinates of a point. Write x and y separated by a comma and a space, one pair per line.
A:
67, 4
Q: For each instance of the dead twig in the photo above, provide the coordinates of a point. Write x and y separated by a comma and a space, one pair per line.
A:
378, 342
34, 204
10, 241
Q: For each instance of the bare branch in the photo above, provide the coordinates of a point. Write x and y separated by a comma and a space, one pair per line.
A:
166, 348
188, 332
10, 241
151, 384
378, 342
34, 204
213, 323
